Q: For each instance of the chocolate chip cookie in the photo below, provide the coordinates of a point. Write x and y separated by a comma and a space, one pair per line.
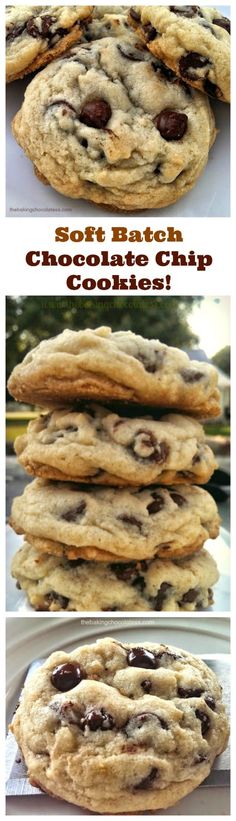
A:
105, 523
110, 124
193, 41
117, 728
101, 365
95, 445
35, 35
56, 584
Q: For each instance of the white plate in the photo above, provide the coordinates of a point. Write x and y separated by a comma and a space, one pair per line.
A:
31, 638
27, 197
219, 549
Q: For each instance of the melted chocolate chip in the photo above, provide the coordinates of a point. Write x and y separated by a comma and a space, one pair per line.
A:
62, 601
196, 459
150, 32
210, 701
131, 53
146, 438
67, 713
125, 572
161, 595
44, 30
139, 582
97, 720
135, 15
15, 32
177, 498
66, 676
204, 719
73, 514
223, 22
71, 428
165, 658
187, 11
190, 61
95, 113
200, 758
171, 124
190, 376
157, 504
212, 89
67, 106
137, 722
131, 520
140, 657
146, 685
190, 693
190, 596
84, 144
147, 782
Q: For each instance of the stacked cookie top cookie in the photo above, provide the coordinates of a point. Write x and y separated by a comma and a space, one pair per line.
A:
115, 487
126, 110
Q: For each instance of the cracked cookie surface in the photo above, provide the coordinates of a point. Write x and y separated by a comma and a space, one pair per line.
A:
101, 365
193, 41
98, 523
56, 584
96, 445
110, 124
113, 727
35, 35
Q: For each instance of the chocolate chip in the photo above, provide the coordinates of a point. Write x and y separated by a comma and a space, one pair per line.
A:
190, 376
223, 22
177, 498
71, 428
67, 713
73, 514
171, 124
62, 601
146, 685
190, 693
200, 758
66, 676
166, 658
95, 113
190, 596
97, 720
192, 60
139, 582
212, 89
136, 722
157, 504
15, 32
187, 11
43, 31
131, 53
210, 701
205, 721
131, 520
75, 562
161, 595
68, 106
150, 32
123, 571
135, 15
140, 657
196, 459
84, 142
144, 438
147, 782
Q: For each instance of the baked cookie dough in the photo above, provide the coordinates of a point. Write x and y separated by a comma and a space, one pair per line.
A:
110, 124
109, 23
96, 445
117, 728
35, 35
55, 584
105, 523
101, 365
193, 41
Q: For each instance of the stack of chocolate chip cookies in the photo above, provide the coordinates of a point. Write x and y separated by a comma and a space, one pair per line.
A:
116, 518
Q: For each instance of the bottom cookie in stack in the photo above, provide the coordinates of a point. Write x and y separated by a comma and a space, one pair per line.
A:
53, 583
